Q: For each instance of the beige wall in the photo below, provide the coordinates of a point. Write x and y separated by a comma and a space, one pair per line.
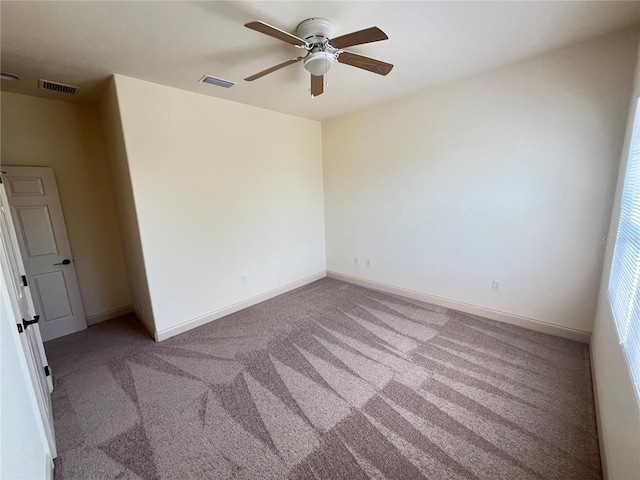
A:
508, 175
618, 408
68, 138
221, 190
125, 206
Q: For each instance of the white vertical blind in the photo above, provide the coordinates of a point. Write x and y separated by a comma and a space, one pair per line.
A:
624, 283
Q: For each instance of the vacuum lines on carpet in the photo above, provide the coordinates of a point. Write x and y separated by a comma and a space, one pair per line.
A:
329, 381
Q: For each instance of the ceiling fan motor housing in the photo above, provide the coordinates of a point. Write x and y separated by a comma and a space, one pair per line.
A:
315, 30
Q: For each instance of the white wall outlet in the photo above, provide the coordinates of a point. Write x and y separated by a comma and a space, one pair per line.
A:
243, 278
368, 262
356, 260
496, 286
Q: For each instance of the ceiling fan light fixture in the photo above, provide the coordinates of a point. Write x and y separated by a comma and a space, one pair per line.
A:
9, 76
319, 63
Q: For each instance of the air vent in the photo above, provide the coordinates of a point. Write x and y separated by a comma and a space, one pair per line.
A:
217, 81
57, 87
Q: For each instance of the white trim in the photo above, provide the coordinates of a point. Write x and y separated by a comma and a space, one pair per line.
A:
109, 314
529, 323
31, 403
209, 317
604, 453
50, 467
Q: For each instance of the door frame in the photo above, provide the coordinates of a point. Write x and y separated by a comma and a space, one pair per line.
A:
29, 336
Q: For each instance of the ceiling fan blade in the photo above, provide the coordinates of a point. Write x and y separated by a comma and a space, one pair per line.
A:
368, 35
276, 33
317, 85
272, 69
366, 63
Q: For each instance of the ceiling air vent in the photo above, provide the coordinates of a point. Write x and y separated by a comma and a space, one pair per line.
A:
217, 81
57, 87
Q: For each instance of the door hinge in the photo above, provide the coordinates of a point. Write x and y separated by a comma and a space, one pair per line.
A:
26, 323
47, 372
20, 329
24, 281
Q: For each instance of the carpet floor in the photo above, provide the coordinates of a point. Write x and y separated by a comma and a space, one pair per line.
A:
329, 381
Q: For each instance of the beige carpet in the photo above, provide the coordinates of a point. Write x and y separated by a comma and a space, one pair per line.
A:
330, 381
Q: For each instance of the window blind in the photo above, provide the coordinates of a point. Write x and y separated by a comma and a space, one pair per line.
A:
624, 282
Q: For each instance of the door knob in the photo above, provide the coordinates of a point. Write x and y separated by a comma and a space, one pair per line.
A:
66, 261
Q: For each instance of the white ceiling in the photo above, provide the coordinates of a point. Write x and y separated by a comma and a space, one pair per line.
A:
175, 43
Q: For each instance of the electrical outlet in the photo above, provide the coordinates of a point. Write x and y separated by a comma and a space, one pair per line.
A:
368, 262
356, 260
243, 278
497, 286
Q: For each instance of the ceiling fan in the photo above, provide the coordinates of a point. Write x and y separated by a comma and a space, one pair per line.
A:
315, 36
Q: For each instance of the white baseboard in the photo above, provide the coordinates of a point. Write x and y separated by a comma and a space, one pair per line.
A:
104, 316
50, 467
525, 322
209, 317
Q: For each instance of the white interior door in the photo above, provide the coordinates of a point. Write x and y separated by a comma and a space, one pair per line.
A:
32, 193
13, 275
